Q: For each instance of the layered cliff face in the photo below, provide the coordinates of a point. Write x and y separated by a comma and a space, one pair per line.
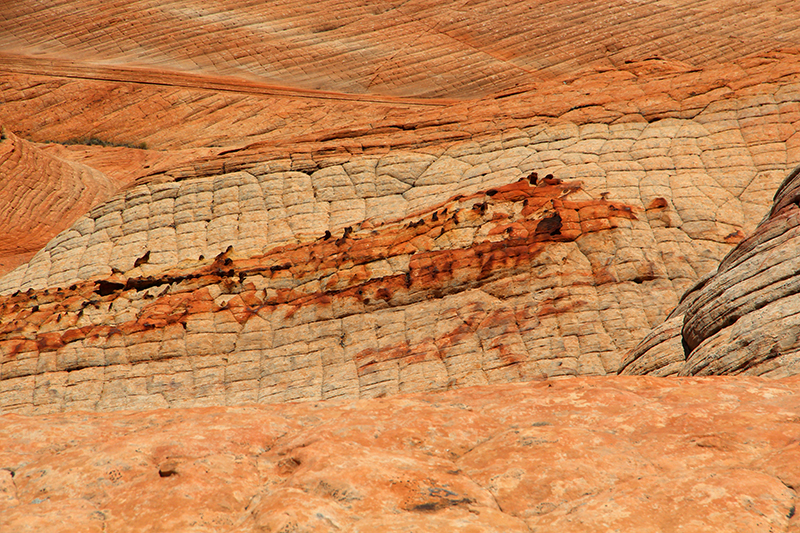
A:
275, 243
486, 262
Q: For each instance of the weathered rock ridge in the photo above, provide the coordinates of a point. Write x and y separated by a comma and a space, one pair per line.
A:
743, 318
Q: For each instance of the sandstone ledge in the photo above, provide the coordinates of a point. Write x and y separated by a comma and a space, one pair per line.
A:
573, 454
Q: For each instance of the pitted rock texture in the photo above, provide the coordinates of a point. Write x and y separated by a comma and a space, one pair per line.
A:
41, 195
447, 299
742, 319
579, 454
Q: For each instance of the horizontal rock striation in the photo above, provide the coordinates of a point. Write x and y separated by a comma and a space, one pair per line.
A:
584, 454
484, 301
418, 48
743, 318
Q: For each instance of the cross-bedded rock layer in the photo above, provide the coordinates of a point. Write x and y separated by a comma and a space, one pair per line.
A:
743, 318
460, 49
347, 315
41, 195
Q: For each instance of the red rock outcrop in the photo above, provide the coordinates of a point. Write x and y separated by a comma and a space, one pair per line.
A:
580, 454
41, 196
251, 203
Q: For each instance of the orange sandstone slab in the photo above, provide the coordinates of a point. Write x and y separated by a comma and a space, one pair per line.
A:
576, 454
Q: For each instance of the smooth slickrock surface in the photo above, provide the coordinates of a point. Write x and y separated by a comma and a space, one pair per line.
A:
576, 454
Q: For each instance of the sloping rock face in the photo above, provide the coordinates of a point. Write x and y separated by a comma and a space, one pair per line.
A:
581, 454
402, 48
742, 319
41, 196
278, 243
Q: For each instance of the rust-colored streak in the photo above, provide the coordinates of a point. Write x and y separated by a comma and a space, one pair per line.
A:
735, 237
544, 215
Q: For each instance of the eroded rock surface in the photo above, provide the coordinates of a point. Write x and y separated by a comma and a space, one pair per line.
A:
41, 195
279, 242
743, 318
577, 454
418, 47
249, 203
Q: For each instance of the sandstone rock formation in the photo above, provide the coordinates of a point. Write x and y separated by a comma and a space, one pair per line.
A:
743, 318
418, 47
41, 196
445, 226
581, 454
278, 242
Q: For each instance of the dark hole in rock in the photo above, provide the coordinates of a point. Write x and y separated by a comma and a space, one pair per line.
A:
105, 288
427, 507
168, 469
167, 472
550, 225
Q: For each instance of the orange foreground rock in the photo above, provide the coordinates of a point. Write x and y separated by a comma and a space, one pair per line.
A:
576, 454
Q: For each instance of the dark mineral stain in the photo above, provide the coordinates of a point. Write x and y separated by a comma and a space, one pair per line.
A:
142, 260
550, 225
